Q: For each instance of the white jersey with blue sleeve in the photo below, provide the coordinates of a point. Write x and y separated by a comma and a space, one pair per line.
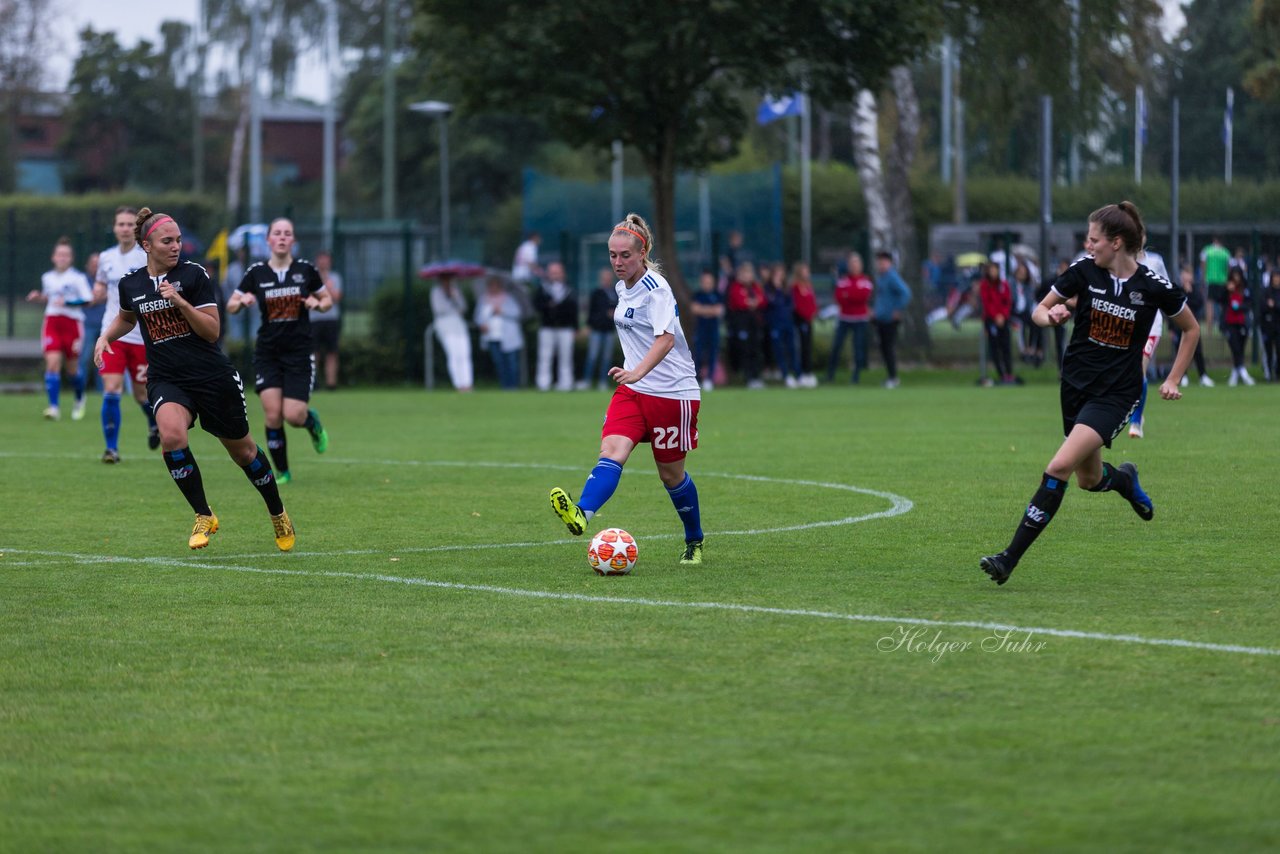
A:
646, 310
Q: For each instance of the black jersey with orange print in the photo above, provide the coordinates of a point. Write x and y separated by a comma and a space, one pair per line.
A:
1112, 320
175, 353
286, 322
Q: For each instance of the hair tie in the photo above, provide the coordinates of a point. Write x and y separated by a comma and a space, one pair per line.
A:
157, 222
644, 244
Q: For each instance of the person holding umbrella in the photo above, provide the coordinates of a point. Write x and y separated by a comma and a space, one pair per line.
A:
448, 319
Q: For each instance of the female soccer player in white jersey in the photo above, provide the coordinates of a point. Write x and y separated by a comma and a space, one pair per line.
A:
64, 291
189, 376
657, 397
1116, 300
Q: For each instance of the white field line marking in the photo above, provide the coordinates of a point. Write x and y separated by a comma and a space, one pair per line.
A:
664, 603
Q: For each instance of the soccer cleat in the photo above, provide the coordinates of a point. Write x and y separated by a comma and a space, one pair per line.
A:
319, 436
204, 528
52, 413
571, 514
77, 411
998, 566
153, 437
692, 552
283, 477
111, 456
284, 531
1141, 502
1135, 429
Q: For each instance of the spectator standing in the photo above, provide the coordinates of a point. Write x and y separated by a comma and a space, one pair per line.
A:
1059, 330
708, 310
1024, 286
804, 304
557, 308
498, 315
997, 305
1235, 319
448, 319
93, 314
1215, 260
524, 267
1269, 327
326, 330
65, 293
601, 333
745, 313
891, 298
1195, 302
853, 300
781, 324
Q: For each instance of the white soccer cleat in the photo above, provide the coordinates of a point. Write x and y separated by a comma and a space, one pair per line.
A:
52, 413
1135, 429
77, 411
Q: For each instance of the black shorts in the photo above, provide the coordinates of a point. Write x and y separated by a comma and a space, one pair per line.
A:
218, 403
1106, 414
1217, 293
324, 335
293, 373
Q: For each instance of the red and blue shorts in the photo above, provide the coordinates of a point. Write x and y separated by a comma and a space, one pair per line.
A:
670, 425
126, 357
62, 334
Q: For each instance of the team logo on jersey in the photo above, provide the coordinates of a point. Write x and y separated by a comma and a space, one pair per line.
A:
299, 278
1136, 297
631, 312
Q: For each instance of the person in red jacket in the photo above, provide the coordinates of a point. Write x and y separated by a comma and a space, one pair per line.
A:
997, 304
745, 314
853, 298
804, 307
1235, 319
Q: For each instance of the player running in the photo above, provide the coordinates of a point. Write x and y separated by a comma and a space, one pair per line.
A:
287, 289
1117, 298
129, 354
189, 375
657, 397
65, 291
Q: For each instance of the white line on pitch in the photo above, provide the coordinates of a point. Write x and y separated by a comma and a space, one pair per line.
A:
667, 603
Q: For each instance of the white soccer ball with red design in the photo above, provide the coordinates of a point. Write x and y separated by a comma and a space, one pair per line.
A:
612, 552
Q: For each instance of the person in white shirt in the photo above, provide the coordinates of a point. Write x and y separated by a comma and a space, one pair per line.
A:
129, 354
1155, 264
65, 291
524, 267
448, 309
498, 316
657, 397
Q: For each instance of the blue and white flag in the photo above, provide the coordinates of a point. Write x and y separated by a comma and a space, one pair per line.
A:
1142, 117
772, 109
1226, 115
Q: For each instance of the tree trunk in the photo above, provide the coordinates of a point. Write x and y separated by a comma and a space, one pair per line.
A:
236, 160
866, 154
901, 211
662, 175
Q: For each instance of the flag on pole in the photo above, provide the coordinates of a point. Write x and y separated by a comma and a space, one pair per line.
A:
1142, 115
772, 109
1226, 115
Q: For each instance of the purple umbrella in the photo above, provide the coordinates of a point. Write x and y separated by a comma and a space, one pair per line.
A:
458, 269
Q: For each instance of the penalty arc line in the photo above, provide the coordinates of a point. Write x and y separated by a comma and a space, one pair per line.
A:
671, 603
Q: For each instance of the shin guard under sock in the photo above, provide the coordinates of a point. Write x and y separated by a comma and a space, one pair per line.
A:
1043, 507
260, 475
186, 474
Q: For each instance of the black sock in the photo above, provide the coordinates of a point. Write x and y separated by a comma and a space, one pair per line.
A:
310, 424
260, 475
1043, 507
278, 445
1114, 480
186, 474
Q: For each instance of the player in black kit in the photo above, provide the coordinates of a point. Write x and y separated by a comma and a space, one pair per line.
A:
287, 289
189, 376
1116, 301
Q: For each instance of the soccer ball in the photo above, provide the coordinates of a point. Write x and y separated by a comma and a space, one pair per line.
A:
612, 552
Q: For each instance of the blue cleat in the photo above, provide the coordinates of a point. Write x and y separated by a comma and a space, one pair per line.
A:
1139, 501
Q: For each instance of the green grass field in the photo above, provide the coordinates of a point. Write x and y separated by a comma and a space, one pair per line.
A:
436, 668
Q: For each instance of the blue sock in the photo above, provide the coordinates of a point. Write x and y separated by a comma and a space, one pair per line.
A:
1136, 418
53, 386
77, 383
600, 485
685, 499
111, 419
146, 410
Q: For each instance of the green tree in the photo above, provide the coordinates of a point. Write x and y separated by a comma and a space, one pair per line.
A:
25, 39
128, 122
666, 80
